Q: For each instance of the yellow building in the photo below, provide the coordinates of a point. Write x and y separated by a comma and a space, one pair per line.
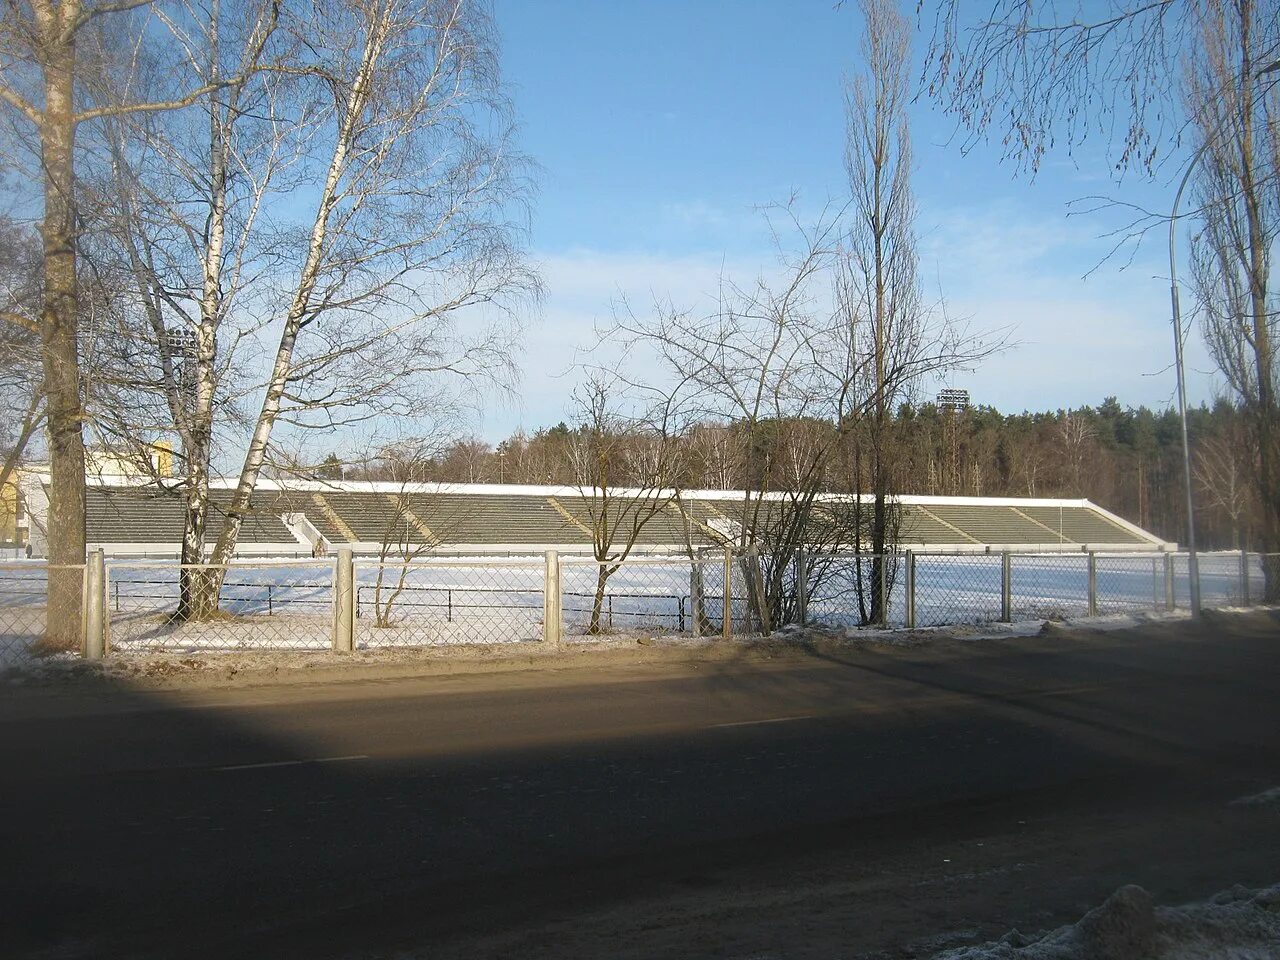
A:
9, 532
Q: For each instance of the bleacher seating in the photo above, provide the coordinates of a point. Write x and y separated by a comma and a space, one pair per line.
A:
144, 515
1082, 525
990, 524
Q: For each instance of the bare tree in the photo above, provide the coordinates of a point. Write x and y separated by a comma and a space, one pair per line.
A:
20, 391
756, 360
1075, 435
1223, 474
410, 232
786, 361
878, 287
181, 204
718, 451
1157, 72
626, 467
403, 540
1238, 184
52, 91
1040, 74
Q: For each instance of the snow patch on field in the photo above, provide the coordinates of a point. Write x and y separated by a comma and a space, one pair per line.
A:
1238, 924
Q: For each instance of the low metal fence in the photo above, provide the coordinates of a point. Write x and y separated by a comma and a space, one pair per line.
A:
428, 602
424, 601
269, 605
655, 594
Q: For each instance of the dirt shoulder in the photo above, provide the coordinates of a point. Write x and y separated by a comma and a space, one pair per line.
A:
253, 668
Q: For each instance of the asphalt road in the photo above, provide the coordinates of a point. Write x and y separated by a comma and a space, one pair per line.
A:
874, 802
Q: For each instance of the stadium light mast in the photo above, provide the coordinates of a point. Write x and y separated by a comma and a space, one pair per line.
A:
1193, 561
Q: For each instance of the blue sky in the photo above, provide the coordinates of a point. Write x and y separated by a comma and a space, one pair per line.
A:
659, 127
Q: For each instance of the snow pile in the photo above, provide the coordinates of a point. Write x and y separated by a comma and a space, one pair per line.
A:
1259, 799
1238, 924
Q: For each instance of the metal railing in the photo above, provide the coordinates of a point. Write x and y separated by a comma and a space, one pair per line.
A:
429, 601
346, 604
258, 604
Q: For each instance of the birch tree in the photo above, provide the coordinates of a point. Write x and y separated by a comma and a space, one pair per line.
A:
184, 205
51, 95
410, 230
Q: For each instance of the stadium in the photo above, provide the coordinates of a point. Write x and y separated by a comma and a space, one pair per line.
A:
312, 518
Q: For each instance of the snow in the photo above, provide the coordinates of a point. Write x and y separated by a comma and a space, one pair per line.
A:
469, 600
1238, 924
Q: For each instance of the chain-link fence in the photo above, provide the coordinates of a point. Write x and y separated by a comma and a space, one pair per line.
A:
957, 588
855, 589
1126, 583
40, 610
417, 603
272, 605
1221, 579
651, 594
245, 605
1048, 586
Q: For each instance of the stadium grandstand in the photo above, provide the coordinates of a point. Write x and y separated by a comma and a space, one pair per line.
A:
127, 517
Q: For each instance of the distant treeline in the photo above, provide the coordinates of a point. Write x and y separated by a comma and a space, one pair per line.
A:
1127, 459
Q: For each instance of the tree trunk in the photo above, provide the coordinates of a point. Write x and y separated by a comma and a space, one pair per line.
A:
282, 369
1266, 413
199, 593
58, 332
195, 596
597, 603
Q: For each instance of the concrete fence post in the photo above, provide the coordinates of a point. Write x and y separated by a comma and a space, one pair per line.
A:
1093, 584
910, 590
726, 621
1170, 600
95, 606
552, 629
1006, 587
1244, 577
344, 603
802, 586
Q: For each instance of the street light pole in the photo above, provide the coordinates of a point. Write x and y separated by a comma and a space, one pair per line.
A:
1193, 560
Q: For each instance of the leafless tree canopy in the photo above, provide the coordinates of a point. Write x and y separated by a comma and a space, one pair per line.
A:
1040, 75
409, 229
1236, 110
20, 392
790, 360
620, 442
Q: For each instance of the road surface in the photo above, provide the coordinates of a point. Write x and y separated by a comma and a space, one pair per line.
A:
877, 802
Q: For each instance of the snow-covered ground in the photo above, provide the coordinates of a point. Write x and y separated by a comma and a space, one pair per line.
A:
288, 604
1238, 924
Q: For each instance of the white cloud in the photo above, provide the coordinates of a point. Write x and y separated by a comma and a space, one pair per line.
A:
1080, 340
583, 287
